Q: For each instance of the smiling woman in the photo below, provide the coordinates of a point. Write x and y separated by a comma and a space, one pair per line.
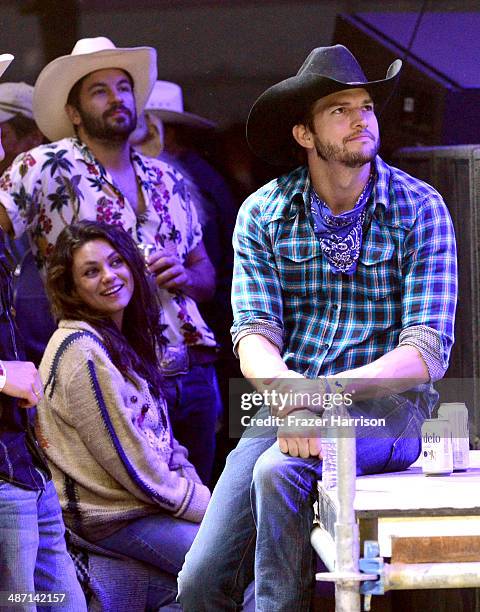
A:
119, 473
102, 279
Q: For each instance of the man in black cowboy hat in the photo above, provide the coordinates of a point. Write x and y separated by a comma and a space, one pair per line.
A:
345, 273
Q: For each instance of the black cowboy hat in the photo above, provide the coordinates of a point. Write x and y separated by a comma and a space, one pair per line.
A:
325, 71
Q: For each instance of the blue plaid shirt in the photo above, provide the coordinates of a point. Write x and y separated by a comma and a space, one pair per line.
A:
325, 323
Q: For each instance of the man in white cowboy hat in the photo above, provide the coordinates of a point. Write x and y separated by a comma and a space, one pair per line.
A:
86, 103
345, 274
33, 554
19, 130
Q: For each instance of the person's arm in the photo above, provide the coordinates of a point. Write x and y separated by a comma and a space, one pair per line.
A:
259, 358
258, 318
22, 381
398, 370
20, 191
195, 277
257, 302
262, 364
179, 462
93, 403
429, 297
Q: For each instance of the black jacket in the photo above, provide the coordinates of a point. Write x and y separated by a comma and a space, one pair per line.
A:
19, 451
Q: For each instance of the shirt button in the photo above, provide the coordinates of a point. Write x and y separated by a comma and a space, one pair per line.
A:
334, 306
326, 345
134, 399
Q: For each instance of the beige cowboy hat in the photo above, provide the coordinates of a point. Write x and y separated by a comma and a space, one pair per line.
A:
55, 81
15, 99
166, 101
5, 60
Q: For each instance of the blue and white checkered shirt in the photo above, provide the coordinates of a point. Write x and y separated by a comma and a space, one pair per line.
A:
405, 285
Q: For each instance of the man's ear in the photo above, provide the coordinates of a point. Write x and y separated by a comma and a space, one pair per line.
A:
303, 136
73, 114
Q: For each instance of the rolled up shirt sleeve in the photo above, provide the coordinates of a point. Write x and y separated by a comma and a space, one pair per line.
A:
429, 292
256, 291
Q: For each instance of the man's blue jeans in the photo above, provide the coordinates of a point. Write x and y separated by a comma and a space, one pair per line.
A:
260, 516
33, 554
194, 407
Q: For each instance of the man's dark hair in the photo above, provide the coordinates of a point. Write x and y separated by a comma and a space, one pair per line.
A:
305, 116
74, 94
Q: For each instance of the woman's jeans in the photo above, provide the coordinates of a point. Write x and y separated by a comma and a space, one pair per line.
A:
33, 554
161, 541
260, 516
194, 407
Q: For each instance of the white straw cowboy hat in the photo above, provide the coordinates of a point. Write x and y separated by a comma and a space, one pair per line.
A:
166, 100
325, 71
5, 60
88, 55
15, 99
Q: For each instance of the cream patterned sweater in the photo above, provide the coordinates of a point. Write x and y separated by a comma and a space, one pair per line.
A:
108, 442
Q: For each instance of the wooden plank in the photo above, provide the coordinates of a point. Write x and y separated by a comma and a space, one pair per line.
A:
436, 549
424, 526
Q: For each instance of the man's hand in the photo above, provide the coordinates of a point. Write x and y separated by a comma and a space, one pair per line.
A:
300, 447
293, 391
281, 389
300, 439
23, 382
169, 271
194, 277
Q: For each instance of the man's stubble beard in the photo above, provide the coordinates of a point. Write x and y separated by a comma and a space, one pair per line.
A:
331, 152
100, 129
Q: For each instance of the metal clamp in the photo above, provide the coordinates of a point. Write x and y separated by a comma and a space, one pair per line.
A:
371, 563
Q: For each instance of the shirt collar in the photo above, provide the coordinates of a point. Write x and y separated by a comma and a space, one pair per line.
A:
82, 152
294, 187
382, 184
300, 190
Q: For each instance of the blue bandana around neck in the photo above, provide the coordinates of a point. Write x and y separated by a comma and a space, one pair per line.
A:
340, 236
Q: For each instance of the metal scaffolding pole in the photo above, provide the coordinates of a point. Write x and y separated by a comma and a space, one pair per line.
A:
399, 576
347, 596
342, 554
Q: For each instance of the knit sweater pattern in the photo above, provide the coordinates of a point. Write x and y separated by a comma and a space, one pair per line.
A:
109, 443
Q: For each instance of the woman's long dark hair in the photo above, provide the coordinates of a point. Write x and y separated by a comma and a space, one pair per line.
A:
133, 349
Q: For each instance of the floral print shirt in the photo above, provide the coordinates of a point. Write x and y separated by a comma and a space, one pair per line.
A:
60, 183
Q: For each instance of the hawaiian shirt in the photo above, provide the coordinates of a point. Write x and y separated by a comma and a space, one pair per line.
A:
57, 184
324, 323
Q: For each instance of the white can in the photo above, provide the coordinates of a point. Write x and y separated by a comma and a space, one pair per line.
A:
457, 415
437, 456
